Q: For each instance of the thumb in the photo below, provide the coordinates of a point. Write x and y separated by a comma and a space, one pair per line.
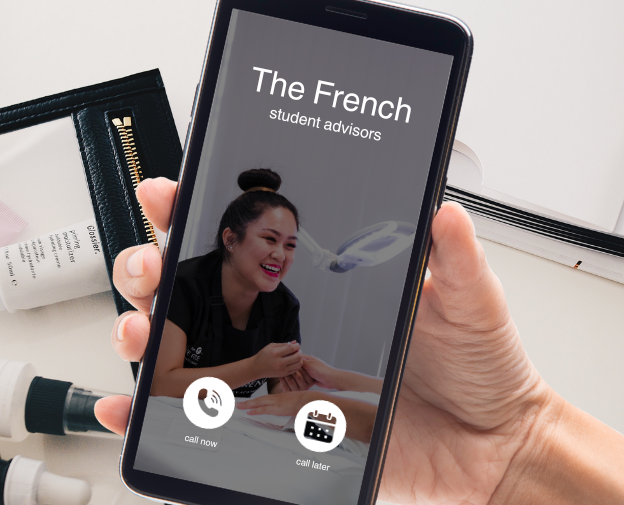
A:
467, 289
288, 349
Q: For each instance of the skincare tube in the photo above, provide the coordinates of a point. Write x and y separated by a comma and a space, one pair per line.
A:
33, 404
65, 264
25, 481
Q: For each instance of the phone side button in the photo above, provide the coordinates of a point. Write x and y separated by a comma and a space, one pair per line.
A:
194, 100
188, 132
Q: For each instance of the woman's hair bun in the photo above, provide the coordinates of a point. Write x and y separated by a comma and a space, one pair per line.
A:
259, 177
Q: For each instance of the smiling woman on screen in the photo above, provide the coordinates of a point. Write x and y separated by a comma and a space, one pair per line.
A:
230, 316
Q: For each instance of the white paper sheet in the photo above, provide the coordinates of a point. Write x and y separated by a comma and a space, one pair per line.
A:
465, 173
544, 102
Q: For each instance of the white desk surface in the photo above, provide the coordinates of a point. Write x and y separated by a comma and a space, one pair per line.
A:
571, 322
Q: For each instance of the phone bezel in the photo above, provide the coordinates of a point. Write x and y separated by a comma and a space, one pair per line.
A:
384, 21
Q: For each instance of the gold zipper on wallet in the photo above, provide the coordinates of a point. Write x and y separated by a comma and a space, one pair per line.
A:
124, 128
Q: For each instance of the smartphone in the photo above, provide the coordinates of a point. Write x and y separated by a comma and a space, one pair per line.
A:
315, 160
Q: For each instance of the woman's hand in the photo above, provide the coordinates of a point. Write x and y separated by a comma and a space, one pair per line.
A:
280, 404
277, 360
329, 377
299, 381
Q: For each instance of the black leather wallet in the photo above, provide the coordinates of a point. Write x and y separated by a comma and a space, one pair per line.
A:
126, 133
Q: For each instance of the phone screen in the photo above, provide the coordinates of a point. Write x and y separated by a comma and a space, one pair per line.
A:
293, 262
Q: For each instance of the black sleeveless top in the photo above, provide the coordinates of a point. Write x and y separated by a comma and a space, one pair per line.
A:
197, 308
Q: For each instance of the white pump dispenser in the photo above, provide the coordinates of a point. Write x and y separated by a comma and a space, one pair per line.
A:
25, 481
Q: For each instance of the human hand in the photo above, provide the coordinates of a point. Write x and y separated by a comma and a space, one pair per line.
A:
324, 375
470, 395
280, 404
298, 381
277, 359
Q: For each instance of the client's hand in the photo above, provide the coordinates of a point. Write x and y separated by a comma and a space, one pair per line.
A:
299, 381
280, 404
324, 375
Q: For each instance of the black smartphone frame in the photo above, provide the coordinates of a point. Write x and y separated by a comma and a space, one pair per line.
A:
378, 20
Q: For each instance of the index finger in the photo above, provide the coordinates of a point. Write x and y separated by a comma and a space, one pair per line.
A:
112, 413
285, 386
306, 376
156, 197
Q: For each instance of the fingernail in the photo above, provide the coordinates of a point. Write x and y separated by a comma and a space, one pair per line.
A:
120, 336
134, 264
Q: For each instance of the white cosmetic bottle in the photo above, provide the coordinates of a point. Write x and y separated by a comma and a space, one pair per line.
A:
25, 481
66, 264
32, 404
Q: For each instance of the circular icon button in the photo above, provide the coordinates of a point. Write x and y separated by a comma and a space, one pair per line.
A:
320, 426
215, 409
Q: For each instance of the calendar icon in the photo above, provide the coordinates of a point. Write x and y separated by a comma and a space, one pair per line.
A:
320, 427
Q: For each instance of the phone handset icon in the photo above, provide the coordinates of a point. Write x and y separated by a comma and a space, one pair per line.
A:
211, 404
215, 409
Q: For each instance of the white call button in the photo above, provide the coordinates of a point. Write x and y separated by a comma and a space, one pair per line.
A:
215, 409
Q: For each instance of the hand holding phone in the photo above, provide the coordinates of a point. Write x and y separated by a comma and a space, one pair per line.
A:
462, 309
